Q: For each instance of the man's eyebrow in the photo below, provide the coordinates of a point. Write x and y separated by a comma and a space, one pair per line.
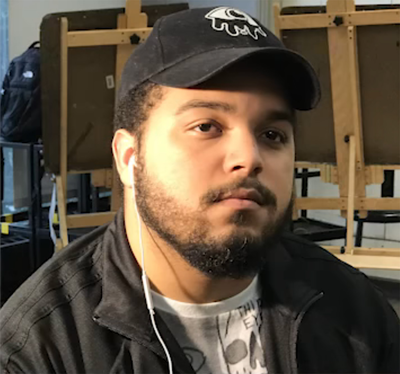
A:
215, 105
280, 115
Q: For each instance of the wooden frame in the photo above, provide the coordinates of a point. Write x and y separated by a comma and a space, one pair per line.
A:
130, 23
351, 18
350, 171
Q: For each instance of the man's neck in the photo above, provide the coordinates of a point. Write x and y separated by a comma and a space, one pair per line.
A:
170, 275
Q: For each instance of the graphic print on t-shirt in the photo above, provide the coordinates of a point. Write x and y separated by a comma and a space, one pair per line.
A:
221, 337
239, 338
238, 343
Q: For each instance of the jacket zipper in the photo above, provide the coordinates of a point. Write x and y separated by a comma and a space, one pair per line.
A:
294, 332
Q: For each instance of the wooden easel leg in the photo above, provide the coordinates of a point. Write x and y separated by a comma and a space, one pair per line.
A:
61, 180
62, 213
295, 212
132, 18
351, 195
123, 53
277, 26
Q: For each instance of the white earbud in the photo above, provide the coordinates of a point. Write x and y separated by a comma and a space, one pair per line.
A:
132, 163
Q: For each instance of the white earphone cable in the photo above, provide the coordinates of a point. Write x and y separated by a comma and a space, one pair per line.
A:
145, 280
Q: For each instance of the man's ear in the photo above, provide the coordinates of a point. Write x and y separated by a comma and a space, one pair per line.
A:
123, 147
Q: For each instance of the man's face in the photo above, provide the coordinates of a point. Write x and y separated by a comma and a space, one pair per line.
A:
215, 171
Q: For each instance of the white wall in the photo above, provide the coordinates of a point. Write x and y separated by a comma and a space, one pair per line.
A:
25, 17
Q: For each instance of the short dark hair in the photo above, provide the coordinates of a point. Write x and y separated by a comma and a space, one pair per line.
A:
134, 109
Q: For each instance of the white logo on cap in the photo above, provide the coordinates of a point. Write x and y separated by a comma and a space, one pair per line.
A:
234, 22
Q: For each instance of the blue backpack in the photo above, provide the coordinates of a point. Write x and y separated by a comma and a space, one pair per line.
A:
20, 102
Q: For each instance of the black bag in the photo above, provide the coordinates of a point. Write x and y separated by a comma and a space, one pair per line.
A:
20, 103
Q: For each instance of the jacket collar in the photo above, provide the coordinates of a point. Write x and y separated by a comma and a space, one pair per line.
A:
123, 307
285, 283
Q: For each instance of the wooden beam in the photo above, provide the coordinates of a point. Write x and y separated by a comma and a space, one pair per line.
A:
62, 214
371, 262
314, 165
367, 203
389, 167
316, 203
379, 258
89, 220
277, 20
310, 165
377, 203
64, 104
132, 18
391, 252
342, 105
324, 20
61, 180
360, 184
373, 174
106, 37
123, 53
102, 178
373, 17
305, 21
352, 192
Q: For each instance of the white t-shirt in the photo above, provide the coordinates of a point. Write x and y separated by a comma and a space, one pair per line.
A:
221, 337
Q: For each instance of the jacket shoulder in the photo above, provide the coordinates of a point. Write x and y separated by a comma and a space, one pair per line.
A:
341, 282
300, 248
54, 288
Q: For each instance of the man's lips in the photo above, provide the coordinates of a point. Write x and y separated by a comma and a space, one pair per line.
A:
241, 196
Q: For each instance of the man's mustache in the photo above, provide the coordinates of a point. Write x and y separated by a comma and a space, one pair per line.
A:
268, 198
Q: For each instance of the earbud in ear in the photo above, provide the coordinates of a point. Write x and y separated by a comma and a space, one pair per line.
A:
132, 164
132, 161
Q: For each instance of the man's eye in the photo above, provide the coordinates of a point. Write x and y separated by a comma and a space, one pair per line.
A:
275, 136
207, 128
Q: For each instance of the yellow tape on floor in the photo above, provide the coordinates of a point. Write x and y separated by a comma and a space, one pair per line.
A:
5, 230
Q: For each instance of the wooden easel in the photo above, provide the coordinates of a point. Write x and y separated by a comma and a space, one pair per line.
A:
350, 172
133, 22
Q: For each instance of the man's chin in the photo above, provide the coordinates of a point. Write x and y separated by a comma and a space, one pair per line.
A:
240, 231
245, 225
237, 254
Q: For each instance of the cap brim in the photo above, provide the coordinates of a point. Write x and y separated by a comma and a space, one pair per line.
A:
294, 71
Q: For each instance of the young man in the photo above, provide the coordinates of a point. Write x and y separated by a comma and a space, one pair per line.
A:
205, 152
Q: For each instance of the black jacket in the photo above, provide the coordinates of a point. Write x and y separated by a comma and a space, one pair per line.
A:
84, 312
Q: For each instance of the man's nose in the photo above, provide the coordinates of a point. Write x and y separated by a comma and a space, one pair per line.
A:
243, 155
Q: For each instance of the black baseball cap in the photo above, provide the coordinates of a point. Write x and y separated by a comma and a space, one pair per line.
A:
189, 47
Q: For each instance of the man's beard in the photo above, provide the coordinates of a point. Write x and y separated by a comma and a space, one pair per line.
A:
239, 255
